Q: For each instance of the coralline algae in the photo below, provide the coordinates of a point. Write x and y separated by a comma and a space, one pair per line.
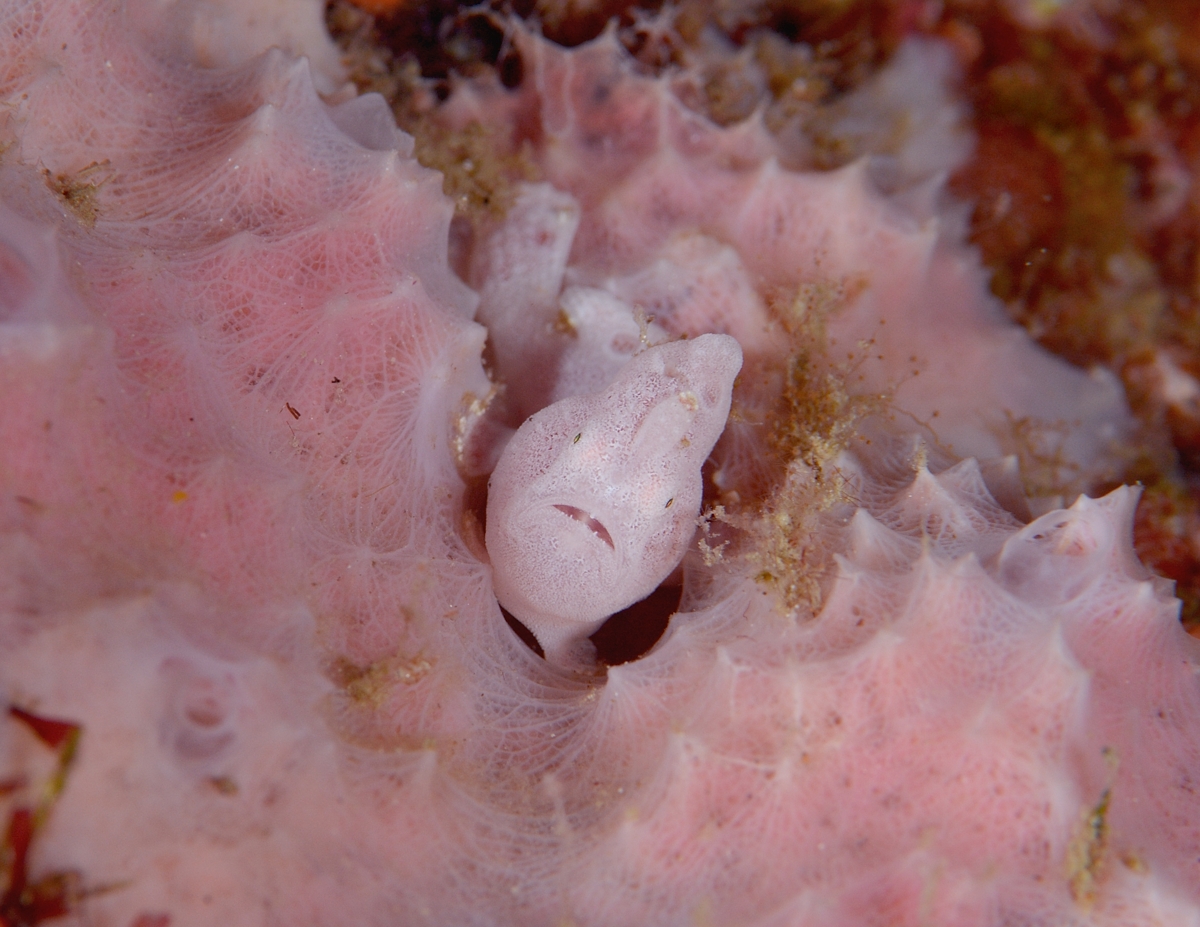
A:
238, 547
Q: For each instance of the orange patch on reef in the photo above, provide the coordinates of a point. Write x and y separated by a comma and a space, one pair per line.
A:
1165, 531
1016, 183
379, 7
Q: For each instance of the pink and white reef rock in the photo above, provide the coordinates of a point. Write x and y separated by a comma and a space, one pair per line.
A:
237, 544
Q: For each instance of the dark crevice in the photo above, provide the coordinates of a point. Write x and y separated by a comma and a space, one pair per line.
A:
522, 632
631, 632
627, 635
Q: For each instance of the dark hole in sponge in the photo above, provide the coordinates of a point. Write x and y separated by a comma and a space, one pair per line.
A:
523, 632
631, 632
628, 634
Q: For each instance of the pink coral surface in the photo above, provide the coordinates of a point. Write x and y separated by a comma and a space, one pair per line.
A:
236, 544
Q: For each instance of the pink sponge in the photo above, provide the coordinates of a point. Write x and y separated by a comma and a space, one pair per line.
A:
235, 545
